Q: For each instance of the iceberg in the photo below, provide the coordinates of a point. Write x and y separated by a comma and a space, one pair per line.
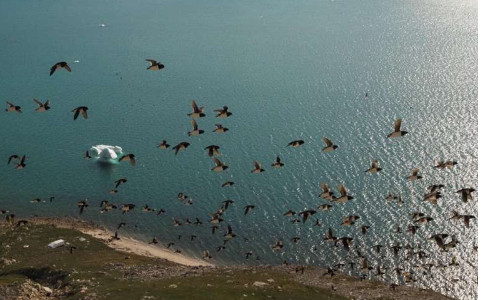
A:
106, 152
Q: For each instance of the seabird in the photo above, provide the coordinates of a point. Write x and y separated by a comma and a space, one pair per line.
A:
155, 66
163, 145
329, 146
82, 110
326, 192
248, 208
397, 129
306, 214
344, 196
212, 150
181, 146
196, 131
128, 157
466, 194
374, 167
120, 181
349, 220
58, 66
21, 165
42, 107
277, 164
223, 113
296, 144
258, 168
13, 108
414, 175
220, 128
227, 183
219, 166
197, 112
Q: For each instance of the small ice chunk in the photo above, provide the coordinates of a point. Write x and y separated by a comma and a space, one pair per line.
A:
56, 244
106, 152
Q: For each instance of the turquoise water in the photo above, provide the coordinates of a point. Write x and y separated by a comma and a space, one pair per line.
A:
287, 70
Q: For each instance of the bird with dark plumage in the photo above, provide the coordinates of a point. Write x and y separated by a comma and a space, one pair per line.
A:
397, 129
155, 65
128, 157
80, 110
329, 146
296, 143
197, 112
13, 108
181, 146
42, 107
58, 66
223, 113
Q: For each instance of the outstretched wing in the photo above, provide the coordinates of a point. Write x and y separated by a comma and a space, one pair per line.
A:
195, 107
328, 142
39, 103
397, 125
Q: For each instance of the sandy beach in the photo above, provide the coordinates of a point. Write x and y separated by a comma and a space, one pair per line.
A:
124, 244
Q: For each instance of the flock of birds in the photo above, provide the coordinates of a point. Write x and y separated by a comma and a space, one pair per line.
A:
417, 220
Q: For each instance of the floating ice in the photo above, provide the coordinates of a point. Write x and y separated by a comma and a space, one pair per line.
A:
106, 152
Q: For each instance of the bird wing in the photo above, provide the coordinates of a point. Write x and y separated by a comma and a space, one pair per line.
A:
278, 159
415, 172
328, 142
256, 164
39, 103
10, 104
374, 164
67, 68
324, 187
84, 112
152, 61
194, 124
397, 125
53, 69
76, 114
12, 157
195, 107
132, 161
342, 189
217, 161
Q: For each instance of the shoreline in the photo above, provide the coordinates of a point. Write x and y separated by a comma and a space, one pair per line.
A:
124, 244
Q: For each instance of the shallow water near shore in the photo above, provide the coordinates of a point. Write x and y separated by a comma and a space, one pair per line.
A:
287, 70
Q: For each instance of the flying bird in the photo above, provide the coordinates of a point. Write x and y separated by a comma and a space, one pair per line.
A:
21, 165
155, 66
306, 214
13, 108
60, 65
277, 164
120, 181
329, 145
258, 168
197, 112
128, 157
223, 113
181, 146
163, 145
80, 110
248, 208
196, 131
397, 130
219, 166
374, 167
414, 175
296, 144
220, 128
212, 150
42, 107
